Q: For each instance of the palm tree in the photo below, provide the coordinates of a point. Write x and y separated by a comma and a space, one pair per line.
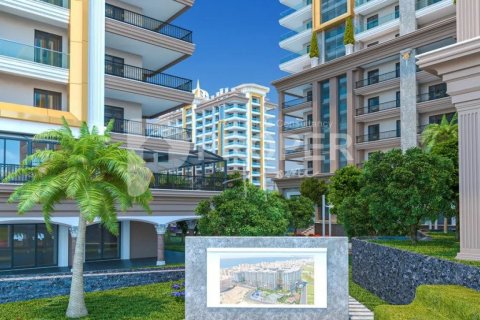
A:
99, 176
442, 139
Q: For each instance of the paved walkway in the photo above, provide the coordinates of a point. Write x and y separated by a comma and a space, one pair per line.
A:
358, 311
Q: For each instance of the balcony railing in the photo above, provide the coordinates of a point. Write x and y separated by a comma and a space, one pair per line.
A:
289, 11
422, 128
297, 125
378, 136
296, 149
148, 23
378, 78
33, 54
60, 3
432, 96
295, 55
187, 182
298, 172
159, 181
378, 22
425, 3
293, 33
150, 130
147, 76
359, 3
296, 102
379, 107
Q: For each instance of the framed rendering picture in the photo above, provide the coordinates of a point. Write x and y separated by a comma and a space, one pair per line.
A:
267, 278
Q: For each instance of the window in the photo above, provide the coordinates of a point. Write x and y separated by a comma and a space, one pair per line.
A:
437, 91
112, 112
373, 76
373, 104
438, 118
114, 65
373, 132
372, 44
27, 246
399, 128
331, 9
397, 12
325, 121
342, 120
101, 244
334, 46
397, 96
47, 99
48, 48
372, 22
397, 69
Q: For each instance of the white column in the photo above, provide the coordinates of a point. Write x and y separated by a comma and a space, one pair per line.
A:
125, 240
161, 230
62, 246
96, 64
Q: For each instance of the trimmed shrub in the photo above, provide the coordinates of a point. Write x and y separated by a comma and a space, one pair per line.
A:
349, 37
314, 51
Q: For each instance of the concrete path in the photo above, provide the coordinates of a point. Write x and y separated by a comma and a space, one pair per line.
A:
358, 311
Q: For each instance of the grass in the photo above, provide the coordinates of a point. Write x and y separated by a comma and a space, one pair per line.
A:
443, 246
362, 295
145, 302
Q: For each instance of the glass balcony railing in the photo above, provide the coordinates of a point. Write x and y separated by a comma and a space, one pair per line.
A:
33, 54
359, 3
148, 23
297, 125
377, 22
297, 102
147, 76
295, 55
425, 3
378, 78
60, 3
289, 11
293, 33
378, 107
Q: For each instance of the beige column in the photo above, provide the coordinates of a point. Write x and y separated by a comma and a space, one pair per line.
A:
459, 66
352, 105
161, 229
333, 125
316, 129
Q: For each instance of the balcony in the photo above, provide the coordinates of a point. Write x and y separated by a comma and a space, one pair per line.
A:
148, 76
33, 62
151, 130
60, 3
297, 125
378, 136
51, 12
148, 23
159, 181
438, 101
377, 79
297, 102
432, 96
376, 28
429, 11
425, 3
379, 107
367, 7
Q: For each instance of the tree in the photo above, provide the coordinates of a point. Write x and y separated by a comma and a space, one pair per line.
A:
403, 189
314, 51
314, 189
243, 212
97, 175
350, 208
349, 37
442, 139
301, 212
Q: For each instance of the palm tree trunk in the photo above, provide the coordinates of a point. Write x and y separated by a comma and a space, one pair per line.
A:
76, 303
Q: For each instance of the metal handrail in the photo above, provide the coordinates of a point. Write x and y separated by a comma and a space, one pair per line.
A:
377, 79
378, 136
379, 107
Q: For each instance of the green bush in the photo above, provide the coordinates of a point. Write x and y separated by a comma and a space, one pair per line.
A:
349, 37
436, 303
314, 51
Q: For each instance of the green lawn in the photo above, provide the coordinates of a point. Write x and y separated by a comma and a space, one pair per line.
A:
152, 302
443, 246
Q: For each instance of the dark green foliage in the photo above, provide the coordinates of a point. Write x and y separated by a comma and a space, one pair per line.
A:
314, 51
244, 211
349, 37
313, 189
301, 212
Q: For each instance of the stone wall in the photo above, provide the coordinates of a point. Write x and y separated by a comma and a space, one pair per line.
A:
394, 274
14, 289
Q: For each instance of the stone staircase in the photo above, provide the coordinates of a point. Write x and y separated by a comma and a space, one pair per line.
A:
358, 311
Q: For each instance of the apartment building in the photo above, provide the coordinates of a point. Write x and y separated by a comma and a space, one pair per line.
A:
91, 61
237, 124
362, 98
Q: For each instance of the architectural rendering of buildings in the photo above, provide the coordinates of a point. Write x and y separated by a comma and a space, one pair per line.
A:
237, 124
360, 98
91, 61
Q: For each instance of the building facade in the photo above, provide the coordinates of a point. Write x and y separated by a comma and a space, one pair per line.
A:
362, 98
236, 124
92, 61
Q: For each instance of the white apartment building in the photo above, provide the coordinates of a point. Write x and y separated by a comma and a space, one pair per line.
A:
237, 124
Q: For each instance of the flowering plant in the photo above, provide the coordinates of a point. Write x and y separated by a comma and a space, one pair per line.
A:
178, 290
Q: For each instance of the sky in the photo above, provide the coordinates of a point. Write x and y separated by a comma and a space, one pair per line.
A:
236, 42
